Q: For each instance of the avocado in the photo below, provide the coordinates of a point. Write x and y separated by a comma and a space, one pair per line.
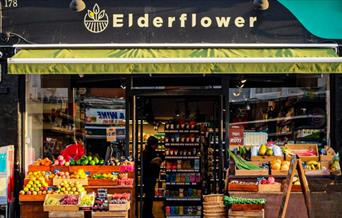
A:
101, 162
90, 158
92, 163
96, 160
78, 162
262, 150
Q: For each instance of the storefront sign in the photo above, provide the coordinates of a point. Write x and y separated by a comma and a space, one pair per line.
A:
160, 21
236, 135
105, 116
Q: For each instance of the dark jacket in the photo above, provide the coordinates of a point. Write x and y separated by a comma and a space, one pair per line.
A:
150, 170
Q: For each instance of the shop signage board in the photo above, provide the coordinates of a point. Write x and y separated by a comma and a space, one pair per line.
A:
159, 21
105, 116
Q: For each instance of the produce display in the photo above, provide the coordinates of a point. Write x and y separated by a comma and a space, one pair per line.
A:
119, 198
229, 200
87, 200
110, 176
277, 164
101, 200
60, 161
312, 165
52, 201
242, 182
43, 162
67, 187
295, 180
39, 174
269, 180
69, 200
119, 162
36, 186
243, 164
301, 152
88, 160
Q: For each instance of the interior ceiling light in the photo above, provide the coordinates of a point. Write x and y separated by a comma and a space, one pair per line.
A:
261, 4
77, 5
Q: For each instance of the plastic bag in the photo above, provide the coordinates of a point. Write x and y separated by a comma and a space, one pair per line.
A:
74, 151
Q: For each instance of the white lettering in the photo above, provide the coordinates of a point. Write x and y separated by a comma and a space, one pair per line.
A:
252, 20
239, 22
170, 21
143, 21
118, 20
193, 20
206, 22
222, 21
182, 19
158, 22
130, 20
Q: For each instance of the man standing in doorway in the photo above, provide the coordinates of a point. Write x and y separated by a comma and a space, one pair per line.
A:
151, 168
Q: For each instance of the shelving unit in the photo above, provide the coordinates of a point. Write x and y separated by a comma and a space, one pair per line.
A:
183, 168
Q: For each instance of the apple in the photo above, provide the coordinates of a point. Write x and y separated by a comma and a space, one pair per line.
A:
62, 162
44, 192
22, 192
40, 192
29, 193
60, 157
56, 163
67, 163
34, 193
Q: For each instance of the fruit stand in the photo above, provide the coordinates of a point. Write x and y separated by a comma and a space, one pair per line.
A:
80, 190
264, 176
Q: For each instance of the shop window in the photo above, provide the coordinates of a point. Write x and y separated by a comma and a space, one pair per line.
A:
58, 114
282, 115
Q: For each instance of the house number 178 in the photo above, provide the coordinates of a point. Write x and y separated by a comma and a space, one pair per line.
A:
11, 3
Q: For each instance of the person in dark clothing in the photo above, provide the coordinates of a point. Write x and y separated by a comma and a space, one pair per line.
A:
151, 168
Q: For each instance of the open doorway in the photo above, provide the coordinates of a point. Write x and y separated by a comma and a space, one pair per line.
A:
183, 126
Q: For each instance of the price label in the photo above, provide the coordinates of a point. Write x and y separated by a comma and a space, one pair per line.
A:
111, 134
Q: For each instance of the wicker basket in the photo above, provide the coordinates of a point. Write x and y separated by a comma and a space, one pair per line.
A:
213, 198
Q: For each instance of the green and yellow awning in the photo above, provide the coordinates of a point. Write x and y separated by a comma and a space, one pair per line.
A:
175, 61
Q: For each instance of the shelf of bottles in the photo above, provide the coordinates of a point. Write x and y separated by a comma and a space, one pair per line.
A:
183, 193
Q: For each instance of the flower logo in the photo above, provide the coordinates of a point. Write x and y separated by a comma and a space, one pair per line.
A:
96, 21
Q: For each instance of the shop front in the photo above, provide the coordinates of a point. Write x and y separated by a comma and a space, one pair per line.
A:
228, 88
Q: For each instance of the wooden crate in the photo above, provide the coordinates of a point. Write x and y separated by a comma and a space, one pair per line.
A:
293, 147
102, 182
96, 168
65, 214
31, 197
321, 172
266, 158
33, 168
119, 207
57, 181
279, 172
262, 172
326, 157
246, 214
242, 187
275, 187
60, 168
106, 214
51, 208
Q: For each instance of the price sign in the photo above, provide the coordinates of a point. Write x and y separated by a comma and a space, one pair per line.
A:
236, 135
111, 134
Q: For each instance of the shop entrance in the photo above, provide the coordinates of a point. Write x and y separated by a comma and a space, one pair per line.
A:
186, 125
